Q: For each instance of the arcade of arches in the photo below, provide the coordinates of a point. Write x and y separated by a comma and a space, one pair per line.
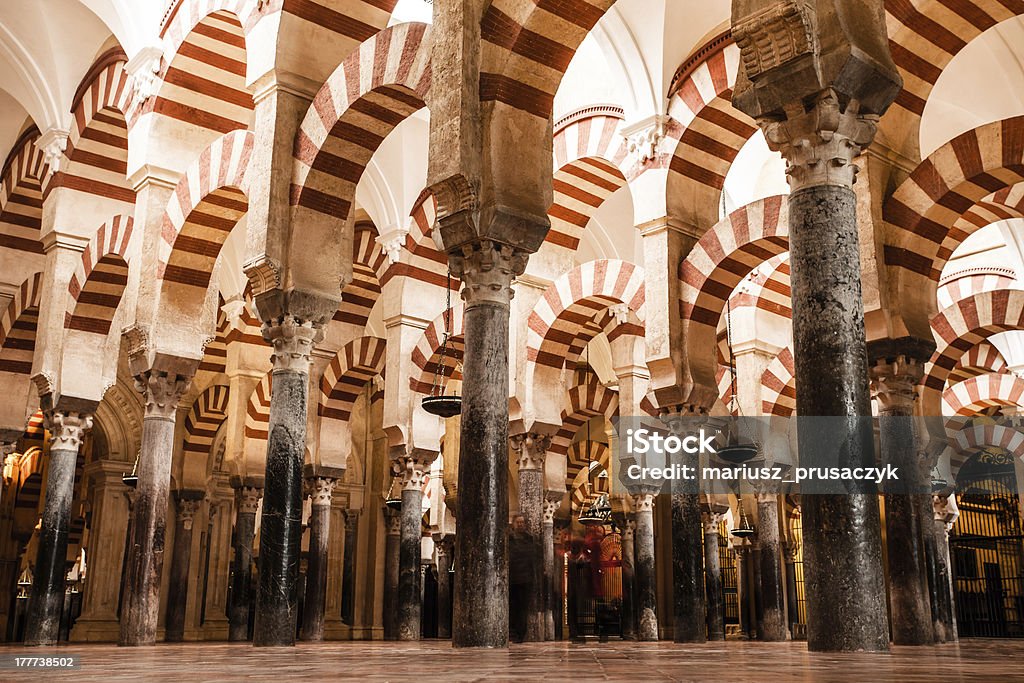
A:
241, 240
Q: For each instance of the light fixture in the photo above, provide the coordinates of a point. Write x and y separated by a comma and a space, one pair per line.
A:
437, 402
24, 583
392, 499
597, 513
744, 530
738, 447
132, 480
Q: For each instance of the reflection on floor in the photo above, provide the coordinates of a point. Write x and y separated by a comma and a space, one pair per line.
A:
971, 660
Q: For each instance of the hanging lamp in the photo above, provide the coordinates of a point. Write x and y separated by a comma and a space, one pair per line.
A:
437, 402
745, 529
132, 480
599, 511
738, 448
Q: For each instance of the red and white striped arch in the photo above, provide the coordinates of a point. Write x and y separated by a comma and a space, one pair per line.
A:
962, 284
377, 87
425, 263
584, 401
778, 385
348, 372
204, 68
978, 394
368, 265
1001, 205
711, 133
204, 420
973, 437
583, 483
18, 327
426, 354
21, 196
944, 187
215, 354
207, 203
97, 149
257, 410
98, 283
576, 299
980, 360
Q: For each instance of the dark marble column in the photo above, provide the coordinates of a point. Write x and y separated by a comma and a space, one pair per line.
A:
893, 382
320, 489
177, 590
552, 500
690, 610
532, 449
46, 599
944, 513
646, 577
348, 577
481, 556
713, 578
281, 522
745, 593
444, 545
413, 469
790, 549
141, 604
772, 619
392, 549
628, 580
247, 500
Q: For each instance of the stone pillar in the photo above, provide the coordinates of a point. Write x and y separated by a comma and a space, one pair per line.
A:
893, 383
532, 449
177, 592
481, 556
410, 604
320, 489
713, 577
646, 576
281, 522
552, 500
817, 85
790, 549
690, 609
772, 619
944, 515
444, 545
141, 604
247, 502
46, 599
392, 550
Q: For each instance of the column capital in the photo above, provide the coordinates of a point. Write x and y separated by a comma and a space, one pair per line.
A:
532, 448
487, 269
550, 507
444, 544
248, 498
711, 521
412, 469
393, 521
187, 508
161, 392
894, 384
66, 428
790, 550
320, 490
643, 502
293, 341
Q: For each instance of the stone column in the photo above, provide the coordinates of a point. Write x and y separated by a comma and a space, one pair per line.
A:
412, 469
481, 556
444, 545
713, 577
177, 591
893, 383
772, 621
746, 593
944, 515
628, 580
790, 549
690, 609
532, 449
46, 599
646, 576
552, 500
247, 502
817, 85
320, 489
392, 550
141, 605
281, 522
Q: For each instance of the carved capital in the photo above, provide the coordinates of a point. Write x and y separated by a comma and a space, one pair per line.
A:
247, 498
711, 521
444, 545
320, 490
893, 384
821, 141
413, 471
790, 550
775, 35
393, 522
66, 429
52, 144
550, 507
187, 508
161, 392
144, 73
293, 341
532, 449
487, 269
264, 274
392, 242
643, 502
644, 138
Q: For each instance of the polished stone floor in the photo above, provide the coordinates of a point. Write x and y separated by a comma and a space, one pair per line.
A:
989, 661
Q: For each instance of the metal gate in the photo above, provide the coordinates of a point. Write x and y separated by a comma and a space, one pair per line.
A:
594, 570
987, 555
727, 563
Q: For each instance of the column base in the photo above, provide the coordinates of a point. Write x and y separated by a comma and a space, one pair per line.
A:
97, 630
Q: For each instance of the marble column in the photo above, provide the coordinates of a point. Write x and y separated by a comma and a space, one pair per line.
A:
689, 605
893, 383
46, 599
281, 522
532, 449
320, 490
177, 591
444, 545
247, 502
392, 551
713, 577
348, 568
646, 576
486, 269
790, 549
141, 604
412, 469
628, 580
550, 578
819, 107
772, 619
945, 514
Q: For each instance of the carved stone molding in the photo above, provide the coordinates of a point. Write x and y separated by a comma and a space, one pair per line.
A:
644, 138
643, 502
144, 73
52, 144
712, 521
248, 499
66, 429
487, 269
293, 341
393, 522
320, 490
413, 471
187, 508
392, 242
777, 34
894, 384
264, 274
161, 392
790, 550
532, 449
